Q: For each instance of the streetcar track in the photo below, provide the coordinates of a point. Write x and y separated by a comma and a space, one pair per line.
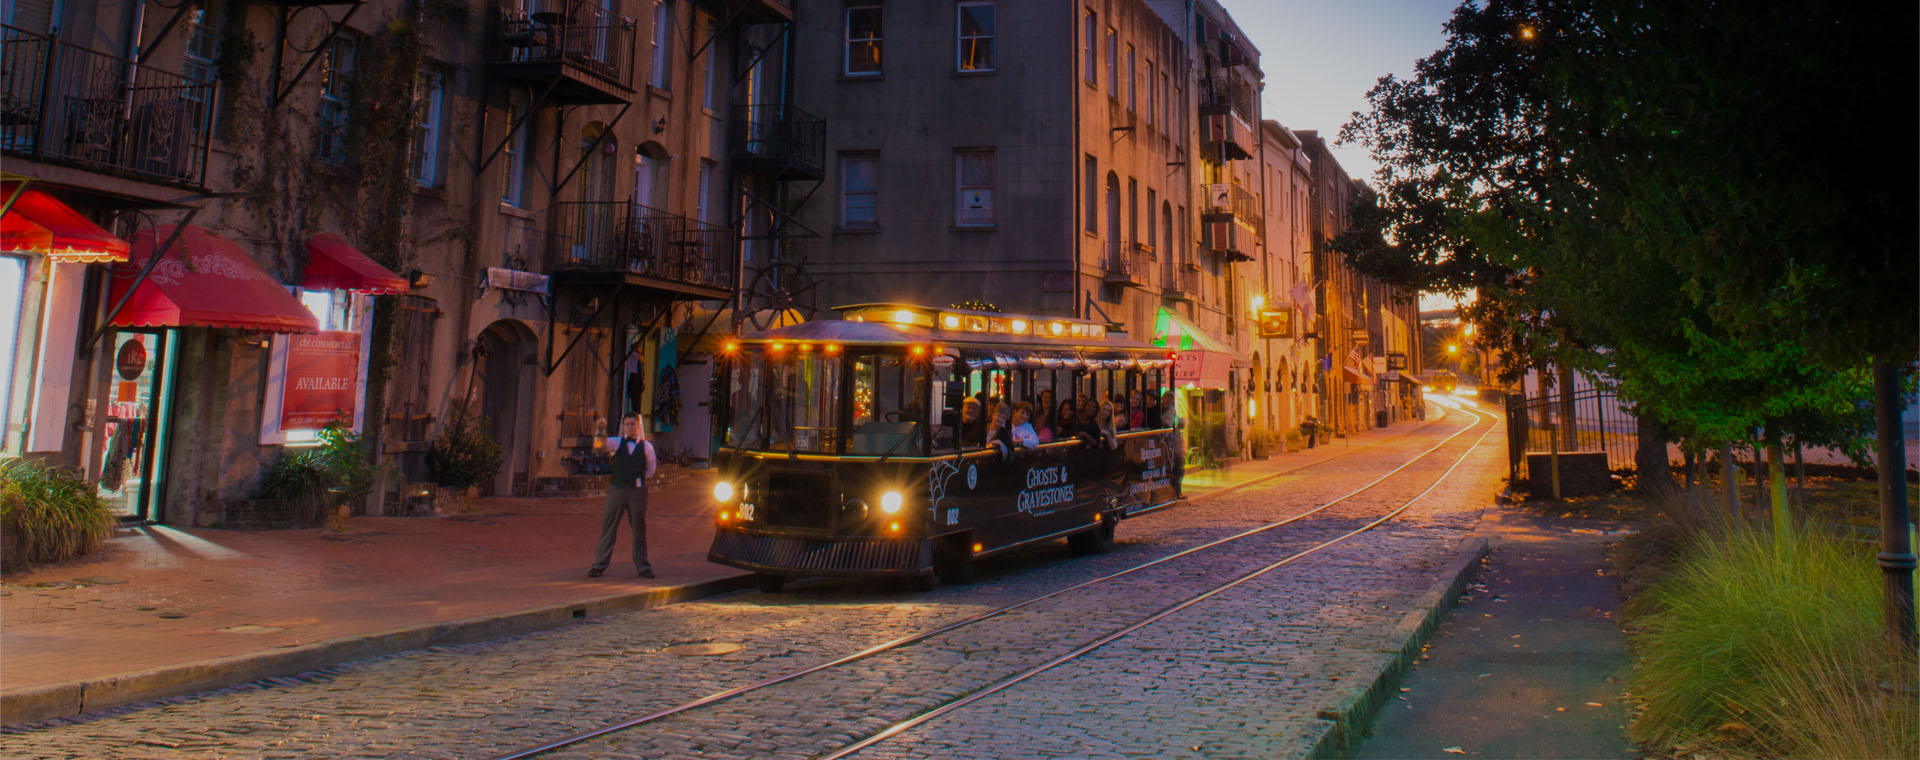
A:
1081, 651
911, 639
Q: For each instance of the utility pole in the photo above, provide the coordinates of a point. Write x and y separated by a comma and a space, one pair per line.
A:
1896, 524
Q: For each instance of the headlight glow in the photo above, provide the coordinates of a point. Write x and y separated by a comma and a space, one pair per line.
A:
723, 492
890, 502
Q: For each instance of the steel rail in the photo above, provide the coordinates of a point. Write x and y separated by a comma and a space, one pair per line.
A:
1004, 684
903, 641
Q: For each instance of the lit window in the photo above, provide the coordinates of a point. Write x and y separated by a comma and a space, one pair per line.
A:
973, 177
336, 76
859, 190
976, 32
863, 40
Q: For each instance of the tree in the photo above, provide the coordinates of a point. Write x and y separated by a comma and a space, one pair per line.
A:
1652, 191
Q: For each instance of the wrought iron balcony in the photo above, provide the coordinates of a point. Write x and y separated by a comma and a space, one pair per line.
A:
63, 103
583, 50
749, 11
778, 138
644, 246
1181, 283
1226, 118
1129, 263
1232, 223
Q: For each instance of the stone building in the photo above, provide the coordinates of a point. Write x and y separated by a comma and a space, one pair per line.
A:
1084, 159
402, 212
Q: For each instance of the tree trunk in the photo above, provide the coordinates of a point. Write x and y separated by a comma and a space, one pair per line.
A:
1777, 480
1730, 479
1569, 429
1654, 478
1800, 473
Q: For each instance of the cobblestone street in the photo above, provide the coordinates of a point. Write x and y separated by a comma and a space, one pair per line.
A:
1243, 674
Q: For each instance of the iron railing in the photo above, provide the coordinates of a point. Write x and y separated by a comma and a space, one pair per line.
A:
778, 135
1128, 263
1588, 420
574, 32
1181, 283
64, 103
622, 237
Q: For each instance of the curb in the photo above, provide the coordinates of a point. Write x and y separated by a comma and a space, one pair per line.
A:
73, 698
1343, 726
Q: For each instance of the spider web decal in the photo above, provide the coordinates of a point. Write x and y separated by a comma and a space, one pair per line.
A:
937, 478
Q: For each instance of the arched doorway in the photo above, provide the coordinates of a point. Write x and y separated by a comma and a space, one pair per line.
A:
503, 376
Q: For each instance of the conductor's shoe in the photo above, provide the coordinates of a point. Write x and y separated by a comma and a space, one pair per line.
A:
646, 573
595, 572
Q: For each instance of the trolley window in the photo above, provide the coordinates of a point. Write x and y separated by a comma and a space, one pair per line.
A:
784, 400
889, 405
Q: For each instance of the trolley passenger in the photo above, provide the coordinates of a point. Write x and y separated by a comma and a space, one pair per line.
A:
1023, 434
973, 424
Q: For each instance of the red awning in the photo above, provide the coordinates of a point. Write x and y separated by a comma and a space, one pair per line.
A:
68, 236
204, 280
334, 264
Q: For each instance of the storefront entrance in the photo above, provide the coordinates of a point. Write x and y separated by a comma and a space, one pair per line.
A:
506, 374
132, 399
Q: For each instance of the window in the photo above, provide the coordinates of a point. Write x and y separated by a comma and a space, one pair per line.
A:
1092, 39
423, 154
662, 44
203, 48
336, 76
973, 183
1091, 189
859, 190
863, 40
1153, 199
1151, 100
976, 32
700, 204
515, 151
645, 169
1133, 210
707, 90
1166, 105
1132, 78
1113, 63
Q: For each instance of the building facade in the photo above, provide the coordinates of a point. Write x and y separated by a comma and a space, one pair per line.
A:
509, 212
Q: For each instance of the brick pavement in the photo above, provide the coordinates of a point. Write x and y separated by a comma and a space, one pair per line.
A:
165, 610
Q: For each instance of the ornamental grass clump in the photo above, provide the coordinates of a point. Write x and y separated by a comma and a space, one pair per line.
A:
48, 514
1764, 643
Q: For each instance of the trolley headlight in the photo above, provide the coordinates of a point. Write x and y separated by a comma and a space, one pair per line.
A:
890, 502
723, 492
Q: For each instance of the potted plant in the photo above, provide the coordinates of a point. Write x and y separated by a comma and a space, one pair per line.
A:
310, 485
48, 514
461, 458
1265, 443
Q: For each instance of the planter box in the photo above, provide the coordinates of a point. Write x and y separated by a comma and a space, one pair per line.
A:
1582, 473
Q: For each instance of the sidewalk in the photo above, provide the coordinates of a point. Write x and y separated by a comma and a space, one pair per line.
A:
163, 611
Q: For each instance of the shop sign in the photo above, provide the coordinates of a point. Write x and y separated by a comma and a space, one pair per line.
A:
1358, 335
323, 377
131, 360
1396, 362
514, 279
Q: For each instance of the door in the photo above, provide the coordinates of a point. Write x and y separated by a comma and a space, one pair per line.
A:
130, 414
505, 376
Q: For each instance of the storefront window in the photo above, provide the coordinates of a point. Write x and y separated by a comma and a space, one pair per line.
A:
13, 282
129, 420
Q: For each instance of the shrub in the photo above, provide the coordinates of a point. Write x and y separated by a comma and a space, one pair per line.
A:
49, 514
314, 481
1764, 643
463, 455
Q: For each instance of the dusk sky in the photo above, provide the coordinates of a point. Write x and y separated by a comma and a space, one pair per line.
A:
1321, 58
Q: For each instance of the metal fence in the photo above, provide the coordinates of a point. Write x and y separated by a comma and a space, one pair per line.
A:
616, 236
65, 103
573, 32
779, 135
1585, 421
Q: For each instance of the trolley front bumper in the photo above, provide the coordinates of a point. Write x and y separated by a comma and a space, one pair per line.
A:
796, 555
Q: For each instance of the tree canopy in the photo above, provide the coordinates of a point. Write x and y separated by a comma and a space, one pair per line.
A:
1690, 199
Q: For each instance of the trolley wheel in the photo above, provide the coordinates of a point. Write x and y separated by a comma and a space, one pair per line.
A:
770, 583
1096, 541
